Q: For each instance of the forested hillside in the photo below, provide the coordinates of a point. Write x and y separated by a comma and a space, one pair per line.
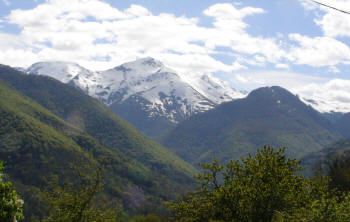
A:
269, 115
37, 144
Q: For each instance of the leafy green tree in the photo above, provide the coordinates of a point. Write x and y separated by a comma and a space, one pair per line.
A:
338, 170
252, 189
325, 209
10, 203
78, 202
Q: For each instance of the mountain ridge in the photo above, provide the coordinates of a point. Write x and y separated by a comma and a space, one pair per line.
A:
267, 116
146, 86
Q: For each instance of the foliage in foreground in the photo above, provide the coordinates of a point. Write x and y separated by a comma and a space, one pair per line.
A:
10, 204
79, 202
263, 188
338, 169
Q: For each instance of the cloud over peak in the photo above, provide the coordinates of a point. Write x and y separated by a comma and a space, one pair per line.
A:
100, 36
81, 30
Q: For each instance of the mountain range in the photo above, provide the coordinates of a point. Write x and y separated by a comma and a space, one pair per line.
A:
153, 97
62, 112
160, 102
47, 125
267, 116
156, 99
144, 92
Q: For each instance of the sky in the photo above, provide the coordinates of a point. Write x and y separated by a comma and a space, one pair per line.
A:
296, 44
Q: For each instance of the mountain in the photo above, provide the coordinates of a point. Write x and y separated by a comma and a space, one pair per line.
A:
315, 160
327, 106
267, 116
145, 92
343, 125
43, 133
62, 71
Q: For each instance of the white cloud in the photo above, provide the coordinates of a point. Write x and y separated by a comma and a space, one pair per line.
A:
324, 50
333, 23
84, 30
81, 30
249, 80
334, 95
282, 66
318, 51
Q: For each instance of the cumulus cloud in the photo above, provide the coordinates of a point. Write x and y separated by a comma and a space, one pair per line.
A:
289, 80
333, 95
282, 66
333, 23
99, 36
329, 49
318, 51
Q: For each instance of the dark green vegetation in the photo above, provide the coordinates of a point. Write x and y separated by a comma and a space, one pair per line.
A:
92, 117
338, 169
10, 203
261, 188
77, 202
334, 160
269, 115
319, 161
58, 125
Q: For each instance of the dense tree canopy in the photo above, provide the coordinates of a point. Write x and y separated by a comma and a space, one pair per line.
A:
338, 170
264, 187
78, 202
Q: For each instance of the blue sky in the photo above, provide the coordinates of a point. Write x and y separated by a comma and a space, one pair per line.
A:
293, 43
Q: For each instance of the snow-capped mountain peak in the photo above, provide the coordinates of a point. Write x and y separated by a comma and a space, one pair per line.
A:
213, 88
141, 68
62, 71
144, 89
145, 77
143, 65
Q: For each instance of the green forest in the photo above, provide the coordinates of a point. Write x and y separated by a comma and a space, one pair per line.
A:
264, 187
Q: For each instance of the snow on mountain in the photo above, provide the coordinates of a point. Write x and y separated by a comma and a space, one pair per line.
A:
163, 92
160, 86
20, 69
62, 71
324, 105
213, 88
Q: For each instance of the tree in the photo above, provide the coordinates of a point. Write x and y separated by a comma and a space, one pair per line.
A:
10, 203
338, 170
326, 209
265, 187
77, 202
